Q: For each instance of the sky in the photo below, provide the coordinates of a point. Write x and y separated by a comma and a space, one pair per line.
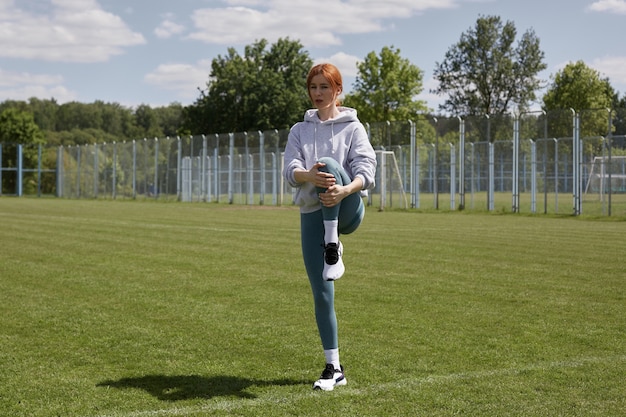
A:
158, 52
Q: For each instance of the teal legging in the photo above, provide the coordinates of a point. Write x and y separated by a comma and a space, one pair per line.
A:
349, 213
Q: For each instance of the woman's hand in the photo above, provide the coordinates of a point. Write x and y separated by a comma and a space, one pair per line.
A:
321, 179
333, 195
334, 192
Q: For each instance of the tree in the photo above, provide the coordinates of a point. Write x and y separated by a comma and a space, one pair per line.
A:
169, 118
147, 120
261, 90
385, 88
619, 117
582, 89
18, 127
44, 113
485, 74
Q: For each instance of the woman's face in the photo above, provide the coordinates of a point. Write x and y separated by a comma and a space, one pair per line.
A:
322, 93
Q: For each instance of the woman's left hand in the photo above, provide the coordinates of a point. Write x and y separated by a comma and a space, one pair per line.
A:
333, 195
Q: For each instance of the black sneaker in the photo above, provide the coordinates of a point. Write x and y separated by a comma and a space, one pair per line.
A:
330, 378
333, 265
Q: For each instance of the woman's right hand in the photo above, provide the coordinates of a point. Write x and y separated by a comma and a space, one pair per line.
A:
321, 179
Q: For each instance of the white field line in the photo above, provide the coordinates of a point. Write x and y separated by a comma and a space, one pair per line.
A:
406, 383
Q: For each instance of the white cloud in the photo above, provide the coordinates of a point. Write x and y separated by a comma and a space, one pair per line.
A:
319, 23
168, 28
613, 67
610, 6
183, 79
24, 85
344, 62
8, 78
67, 31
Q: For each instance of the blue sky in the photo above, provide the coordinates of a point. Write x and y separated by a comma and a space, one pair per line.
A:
157, 52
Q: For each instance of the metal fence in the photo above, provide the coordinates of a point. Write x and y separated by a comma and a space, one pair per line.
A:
563, 162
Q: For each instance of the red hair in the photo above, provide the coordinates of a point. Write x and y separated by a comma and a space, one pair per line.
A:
328, 71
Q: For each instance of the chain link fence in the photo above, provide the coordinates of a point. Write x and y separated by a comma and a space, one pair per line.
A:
561, 162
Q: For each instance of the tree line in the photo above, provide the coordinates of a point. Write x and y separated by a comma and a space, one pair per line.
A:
77, 123
489, 71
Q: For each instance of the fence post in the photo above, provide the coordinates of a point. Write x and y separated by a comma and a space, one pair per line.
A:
491, 192
545, 163
95, 170
19, 170
203, 171
436, 166
515, 179
78, 164
412, 162
216, 169
533, 176
576, 162
473, 173
556, 175
383, 184
59, 171
461, 164
609, 142
231, 161
114, 173
275, 181
179, 166
134, 176
155, 186
452, 176
262, 166
39, 170
249, 169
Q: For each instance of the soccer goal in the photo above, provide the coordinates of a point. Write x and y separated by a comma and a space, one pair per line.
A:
389, 190
607, 174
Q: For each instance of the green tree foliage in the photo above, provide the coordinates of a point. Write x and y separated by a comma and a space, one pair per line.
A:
18, 128
619, 117
44, 113
148, 121
385, 88
579, 87
169, 119
582, 89
263, 89
485, 73
76, 123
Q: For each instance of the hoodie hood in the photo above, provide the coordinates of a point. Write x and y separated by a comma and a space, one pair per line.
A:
346, 115
324, 131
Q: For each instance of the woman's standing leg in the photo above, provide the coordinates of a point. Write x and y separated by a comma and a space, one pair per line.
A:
312, 232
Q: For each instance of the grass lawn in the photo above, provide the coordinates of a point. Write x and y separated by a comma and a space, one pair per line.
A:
132, 309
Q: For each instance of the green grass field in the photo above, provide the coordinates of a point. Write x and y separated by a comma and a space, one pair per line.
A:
133, 309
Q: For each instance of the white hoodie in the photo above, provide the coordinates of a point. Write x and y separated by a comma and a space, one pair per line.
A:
342, 138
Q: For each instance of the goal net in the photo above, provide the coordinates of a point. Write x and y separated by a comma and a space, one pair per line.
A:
607, 174
389, 189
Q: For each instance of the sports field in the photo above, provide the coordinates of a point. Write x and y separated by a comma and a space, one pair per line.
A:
132, 309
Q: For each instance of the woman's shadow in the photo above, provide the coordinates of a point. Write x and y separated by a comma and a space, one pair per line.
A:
186, 387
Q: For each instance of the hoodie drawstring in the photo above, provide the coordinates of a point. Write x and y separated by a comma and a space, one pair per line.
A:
315, 143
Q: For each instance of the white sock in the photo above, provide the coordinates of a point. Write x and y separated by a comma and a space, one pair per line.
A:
332, 356
330, 231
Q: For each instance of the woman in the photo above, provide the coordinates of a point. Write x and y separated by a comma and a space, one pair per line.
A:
329, 160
